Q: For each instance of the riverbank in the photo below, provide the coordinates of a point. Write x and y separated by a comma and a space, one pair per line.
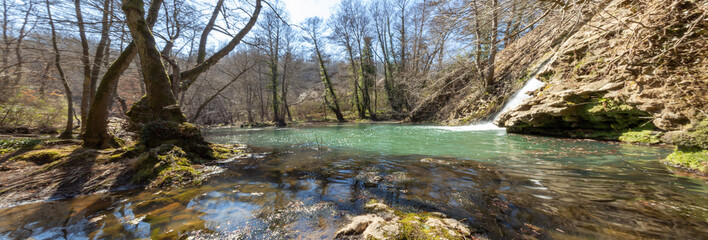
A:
42, 168
311, 182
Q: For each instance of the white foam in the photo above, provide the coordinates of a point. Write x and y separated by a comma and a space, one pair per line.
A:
516, 100
488, 126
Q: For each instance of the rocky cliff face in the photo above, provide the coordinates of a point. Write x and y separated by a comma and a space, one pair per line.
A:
627, 70
636, 72
457, 97
634, 65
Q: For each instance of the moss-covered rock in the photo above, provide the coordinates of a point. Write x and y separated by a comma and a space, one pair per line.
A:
384, 222
690, 158
164, 166
692, 147
693, 137
604, 113
646, 134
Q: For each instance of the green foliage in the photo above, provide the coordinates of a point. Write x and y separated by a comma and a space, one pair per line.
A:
692, 150
27, 108
11, 145
692, 158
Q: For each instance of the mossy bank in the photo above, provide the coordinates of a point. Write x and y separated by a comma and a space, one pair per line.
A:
43, 169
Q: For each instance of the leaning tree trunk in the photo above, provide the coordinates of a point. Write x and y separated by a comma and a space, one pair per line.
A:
159, 103
96, 134
157, 115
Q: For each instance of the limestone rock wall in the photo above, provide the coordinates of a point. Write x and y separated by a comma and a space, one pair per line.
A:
634, 65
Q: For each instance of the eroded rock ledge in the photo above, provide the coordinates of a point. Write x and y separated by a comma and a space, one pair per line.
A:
636, 72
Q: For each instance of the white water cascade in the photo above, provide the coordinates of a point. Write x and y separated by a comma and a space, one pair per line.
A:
516, 100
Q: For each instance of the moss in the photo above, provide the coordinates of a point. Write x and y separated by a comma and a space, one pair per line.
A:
413, 227
603, 113
126, 152
155, 133
642, 136
41, 157
177, 175
646, 134
694, 137
691, 158
220, 151
163, 164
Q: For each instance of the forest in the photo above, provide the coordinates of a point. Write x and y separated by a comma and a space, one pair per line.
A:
354, 119
244, 64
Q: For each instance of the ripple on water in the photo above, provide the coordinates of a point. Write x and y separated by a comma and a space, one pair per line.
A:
312, 179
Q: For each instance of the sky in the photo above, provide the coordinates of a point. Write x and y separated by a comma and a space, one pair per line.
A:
302, 9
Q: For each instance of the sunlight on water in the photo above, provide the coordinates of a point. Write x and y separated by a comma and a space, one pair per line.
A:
305, 183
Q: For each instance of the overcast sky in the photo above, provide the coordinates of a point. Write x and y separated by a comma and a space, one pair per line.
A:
301, 9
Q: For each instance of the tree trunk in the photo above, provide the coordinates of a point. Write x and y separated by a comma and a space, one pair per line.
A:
333, 104
68, 130
100, 50
96, 134
492, 46
201, 53
159, 103
86, 93
18, 49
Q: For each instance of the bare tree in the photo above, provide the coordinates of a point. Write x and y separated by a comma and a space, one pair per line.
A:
67, 133
313, 29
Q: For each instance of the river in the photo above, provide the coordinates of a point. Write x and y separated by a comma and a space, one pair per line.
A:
304, 182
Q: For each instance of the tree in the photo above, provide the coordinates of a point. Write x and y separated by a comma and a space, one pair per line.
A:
96, 132
313, 28
157, 97
272, 30
86, 61
368, 73
344, 28
67, 134
492, 45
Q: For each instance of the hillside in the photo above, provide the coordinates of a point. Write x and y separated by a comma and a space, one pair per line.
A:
633, 71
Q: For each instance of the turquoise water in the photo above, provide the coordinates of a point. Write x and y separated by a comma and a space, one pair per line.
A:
305, 182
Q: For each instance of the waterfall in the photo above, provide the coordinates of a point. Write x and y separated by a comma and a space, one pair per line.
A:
516, 100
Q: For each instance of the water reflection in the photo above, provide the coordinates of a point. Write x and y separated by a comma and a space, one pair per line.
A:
505, 186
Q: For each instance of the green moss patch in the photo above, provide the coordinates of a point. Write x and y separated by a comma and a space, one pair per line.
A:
691, 158
164, 166
646, 134
41, 157
603, 113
